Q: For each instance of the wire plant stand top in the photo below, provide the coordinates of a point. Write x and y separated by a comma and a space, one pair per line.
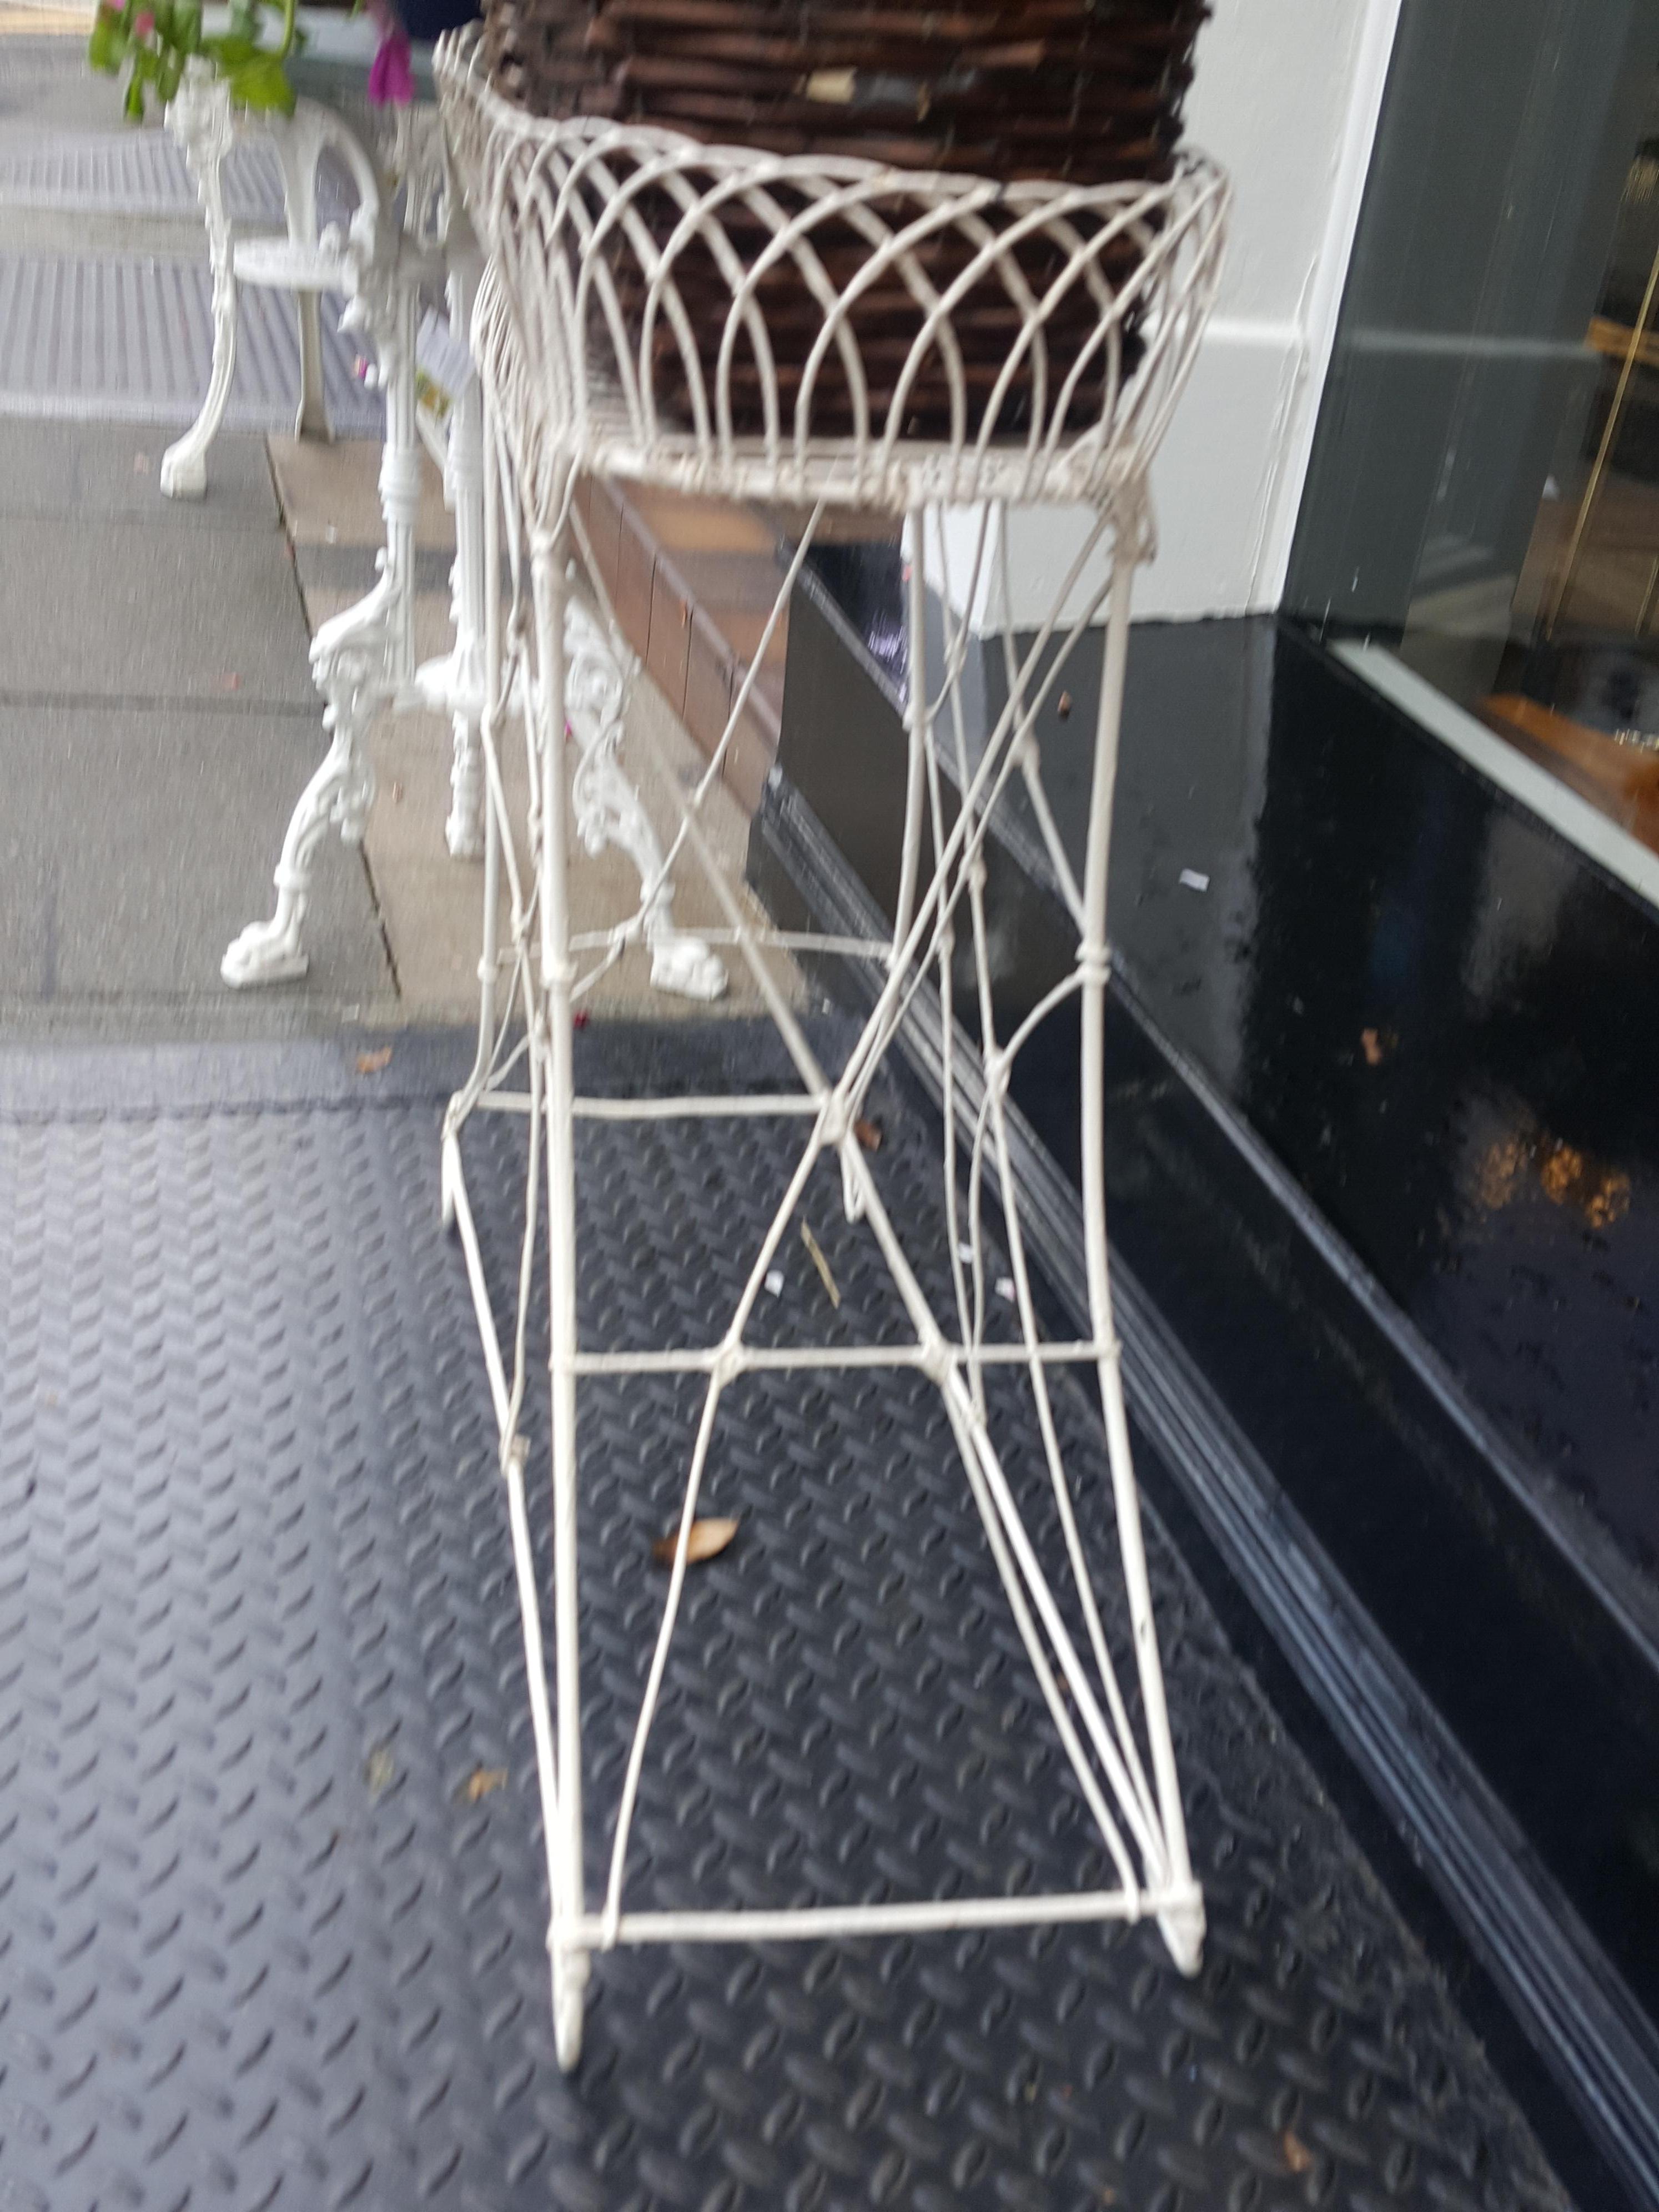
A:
652, 343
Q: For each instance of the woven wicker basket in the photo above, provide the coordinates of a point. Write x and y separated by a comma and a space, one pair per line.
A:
1011, 89
1000, 88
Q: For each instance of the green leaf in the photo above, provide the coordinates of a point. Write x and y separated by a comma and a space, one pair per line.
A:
262, 84
187, 25
167, 83
106, 47
135, 99
230, 52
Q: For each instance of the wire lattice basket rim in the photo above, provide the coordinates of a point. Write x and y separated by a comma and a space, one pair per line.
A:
604, 353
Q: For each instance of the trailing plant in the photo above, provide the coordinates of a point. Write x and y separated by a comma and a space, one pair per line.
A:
153, 39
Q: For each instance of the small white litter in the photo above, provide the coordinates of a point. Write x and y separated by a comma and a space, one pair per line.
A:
1006, 1288
774, 1281
1194, 881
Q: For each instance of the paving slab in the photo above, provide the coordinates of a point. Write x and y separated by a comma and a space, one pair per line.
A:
134, 609
330, 495
108, 471
135, 844
46, 88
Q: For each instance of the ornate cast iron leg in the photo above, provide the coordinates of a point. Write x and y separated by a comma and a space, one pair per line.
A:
364, 656
609, 811
298, 144
200, 121
455, 685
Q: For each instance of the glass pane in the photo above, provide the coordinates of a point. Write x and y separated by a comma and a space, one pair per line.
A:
1563, 661
1483, 496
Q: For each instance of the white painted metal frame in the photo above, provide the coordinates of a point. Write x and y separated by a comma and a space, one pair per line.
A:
408, 231
206, 128
571, 383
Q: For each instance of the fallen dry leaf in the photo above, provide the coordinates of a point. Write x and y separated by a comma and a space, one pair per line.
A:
483, 1782
380, 1770
706, 1539
1371, 1045
815, 1253
1298, 2156
868, 1133
371, 1063
233, 682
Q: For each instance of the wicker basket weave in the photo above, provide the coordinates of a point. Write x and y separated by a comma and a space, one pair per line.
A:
1012, 89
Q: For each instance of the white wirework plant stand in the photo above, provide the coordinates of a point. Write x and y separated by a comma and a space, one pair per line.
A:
574, 381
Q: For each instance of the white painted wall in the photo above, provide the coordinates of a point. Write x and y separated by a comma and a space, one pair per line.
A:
1286, 96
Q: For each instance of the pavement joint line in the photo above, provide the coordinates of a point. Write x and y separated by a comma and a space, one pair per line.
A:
233, 702
108, 524
343, 566
162, 412
71, 232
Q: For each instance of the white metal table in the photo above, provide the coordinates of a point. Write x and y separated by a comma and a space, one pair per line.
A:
408, 236
580, 330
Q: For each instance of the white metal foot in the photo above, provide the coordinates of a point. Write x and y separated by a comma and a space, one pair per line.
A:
448, 1169
685, 966
569, 1982
184, 465
266, 952
339, 795
1182, 1930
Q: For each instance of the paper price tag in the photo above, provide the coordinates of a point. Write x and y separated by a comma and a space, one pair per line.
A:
442, 364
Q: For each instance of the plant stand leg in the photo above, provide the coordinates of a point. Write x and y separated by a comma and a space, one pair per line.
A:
569, 1957
1182, 1926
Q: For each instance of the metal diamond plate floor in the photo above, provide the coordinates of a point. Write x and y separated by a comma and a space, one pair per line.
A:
269, 1937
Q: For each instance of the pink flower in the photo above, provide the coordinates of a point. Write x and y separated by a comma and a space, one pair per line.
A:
391, 80
143, 25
